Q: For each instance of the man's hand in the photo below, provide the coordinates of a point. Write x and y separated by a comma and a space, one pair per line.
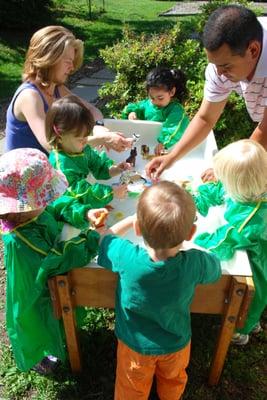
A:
132, 116
156, 166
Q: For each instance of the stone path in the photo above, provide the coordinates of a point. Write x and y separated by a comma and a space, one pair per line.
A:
86, 88
193, 7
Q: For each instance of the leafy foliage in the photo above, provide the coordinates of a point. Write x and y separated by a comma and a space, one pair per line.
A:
135, 55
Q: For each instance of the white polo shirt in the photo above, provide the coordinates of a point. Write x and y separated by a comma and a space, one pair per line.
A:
218, 88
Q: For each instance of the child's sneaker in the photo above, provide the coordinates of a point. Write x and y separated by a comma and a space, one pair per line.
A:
240, 339
257, 329
47, 366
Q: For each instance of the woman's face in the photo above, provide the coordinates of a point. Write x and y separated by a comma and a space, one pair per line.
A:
64, 67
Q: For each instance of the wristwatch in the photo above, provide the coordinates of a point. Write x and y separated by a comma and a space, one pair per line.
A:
99, 122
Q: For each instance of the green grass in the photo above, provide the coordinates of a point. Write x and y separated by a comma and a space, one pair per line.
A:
103, 29
244, 375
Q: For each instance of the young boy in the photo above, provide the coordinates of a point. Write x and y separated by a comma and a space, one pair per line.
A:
155, 289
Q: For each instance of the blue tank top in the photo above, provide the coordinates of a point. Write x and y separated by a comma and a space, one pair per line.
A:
19, 133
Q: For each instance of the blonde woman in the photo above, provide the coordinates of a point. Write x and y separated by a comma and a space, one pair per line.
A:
241, 168
53, 55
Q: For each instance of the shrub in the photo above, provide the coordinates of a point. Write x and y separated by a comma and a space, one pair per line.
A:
25, 14
135, 55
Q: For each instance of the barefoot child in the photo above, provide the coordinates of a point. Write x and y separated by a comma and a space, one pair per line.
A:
68, 125
165, 89
156, 286
241, 168
32, 253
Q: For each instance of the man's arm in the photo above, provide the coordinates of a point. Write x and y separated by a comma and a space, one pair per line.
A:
260, 132
198, 129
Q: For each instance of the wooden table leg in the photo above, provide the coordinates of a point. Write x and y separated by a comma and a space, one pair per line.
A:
236, 294
69, 323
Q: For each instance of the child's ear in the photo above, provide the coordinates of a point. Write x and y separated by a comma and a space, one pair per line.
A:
136, 228
173, 91
192, 232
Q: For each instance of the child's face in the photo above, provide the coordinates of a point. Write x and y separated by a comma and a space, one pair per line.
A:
73, 144
160, 97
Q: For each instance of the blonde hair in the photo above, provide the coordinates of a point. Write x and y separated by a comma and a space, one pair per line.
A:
47, 46
242, 168
65, 115
165, 215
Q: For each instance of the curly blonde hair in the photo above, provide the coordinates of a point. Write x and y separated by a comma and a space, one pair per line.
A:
242, 168
47, 46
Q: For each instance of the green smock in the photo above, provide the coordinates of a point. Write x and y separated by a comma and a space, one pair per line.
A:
82, 195
32, 254
245, 228
173, 117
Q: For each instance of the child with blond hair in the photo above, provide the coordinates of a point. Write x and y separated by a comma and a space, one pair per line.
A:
241, 170
156, 285
33, 252
68, 125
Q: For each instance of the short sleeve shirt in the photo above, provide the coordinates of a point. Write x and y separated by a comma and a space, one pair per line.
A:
218, 88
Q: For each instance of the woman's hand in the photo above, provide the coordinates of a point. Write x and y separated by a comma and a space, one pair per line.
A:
119, 168
97, 216
111, 140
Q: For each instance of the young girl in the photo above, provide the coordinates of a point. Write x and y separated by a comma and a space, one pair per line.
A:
33, 252
241, 168
166, 89
68, 124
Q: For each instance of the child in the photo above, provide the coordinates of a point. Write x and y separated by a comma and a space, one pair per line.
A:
68, 124
32, 253
241, 168
166, 89
155, 289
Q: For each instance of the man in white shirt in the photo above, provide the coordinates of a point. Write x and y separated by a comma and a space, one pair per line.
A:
236, 46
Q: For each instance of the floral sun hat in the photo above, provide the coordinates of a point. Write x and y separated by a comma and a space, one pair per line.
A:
28, 182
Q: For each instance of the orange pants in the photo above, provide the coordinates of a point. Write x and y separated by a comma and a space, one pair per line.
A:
134, 375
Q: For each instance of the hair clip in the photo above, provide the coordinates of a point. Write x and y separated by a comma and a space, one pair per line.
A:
56, 130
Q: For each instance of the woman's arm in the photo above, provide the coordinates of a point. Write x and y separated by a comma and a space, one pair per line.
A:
29, 107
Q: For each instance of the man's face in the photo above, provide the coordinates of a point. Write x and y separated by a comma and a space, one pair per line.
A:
235, 67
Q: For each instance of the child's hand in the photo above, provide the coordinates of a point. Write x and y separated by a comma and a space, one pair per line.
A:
132, 115
119, 168
97, 216
120, 192
124, 166
159, 149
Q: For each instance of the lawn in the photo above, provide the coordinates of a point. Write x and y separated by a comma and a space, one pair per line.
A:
103, 29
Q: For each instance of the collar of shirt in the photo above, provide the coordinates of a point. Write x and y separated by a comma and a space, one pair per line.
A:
261, 70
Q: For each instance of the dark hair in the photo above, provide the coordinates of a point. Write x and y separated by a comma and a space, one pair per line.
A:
167, 79
233, 25
67, 114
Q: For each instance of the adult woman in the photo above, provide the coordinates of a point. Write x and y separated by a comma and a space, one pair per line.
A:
54, 53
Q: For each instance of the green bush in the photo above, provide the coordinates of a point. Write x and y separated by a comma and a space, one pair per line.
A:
25, 14
135, 55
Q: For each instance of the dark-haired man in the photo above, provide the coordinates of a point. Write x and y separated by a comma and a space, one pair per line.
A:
236, 47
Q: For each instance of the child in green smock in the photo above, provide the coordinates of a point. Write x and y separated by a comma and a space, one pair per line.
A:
166, 89
68, 124
33, 252
241, 169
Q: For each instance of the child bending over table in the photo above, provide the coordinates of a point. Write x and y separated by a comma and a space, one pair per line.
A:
30, 231
241, 169
68, 125
156, 286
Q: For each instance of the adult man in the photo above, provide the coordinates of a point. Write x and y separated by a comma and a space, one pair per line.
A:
236, 47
